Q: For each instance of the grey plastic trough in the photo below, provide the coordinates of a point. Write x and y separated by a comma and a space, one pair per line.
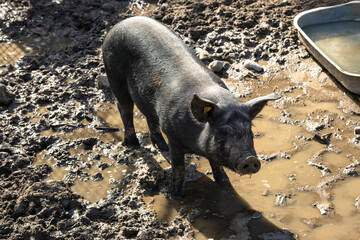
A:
344, 12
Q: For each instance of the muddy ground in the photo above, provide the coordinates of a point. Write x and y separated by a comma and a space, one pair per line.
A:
65, 175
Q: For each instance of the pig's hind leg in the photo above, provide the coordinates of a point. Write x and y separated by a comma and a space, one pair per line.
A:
125, 106
178, 171
156, 136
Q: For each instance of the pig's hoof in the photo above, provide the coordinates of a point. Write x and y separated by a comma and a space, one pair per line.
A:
176, 196
159, 142
132, 143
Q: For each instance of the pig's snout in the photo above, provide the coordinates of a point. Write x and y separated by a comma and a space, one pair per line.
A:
250, 165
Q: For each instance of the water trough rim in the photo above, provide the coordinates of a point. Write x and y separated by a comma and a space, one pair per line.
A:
308, 39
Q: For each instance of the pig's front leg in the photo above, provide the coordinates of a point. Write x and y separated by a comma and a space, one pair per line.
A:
178, 172
218, 172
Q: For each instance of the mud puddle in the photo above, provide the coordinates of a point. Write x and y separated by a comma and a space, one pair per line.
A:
11, 52
97, 175
49, 43
95, 172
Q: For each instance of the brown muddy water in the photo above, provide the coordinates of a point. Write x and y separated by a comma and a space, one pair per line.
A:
301, 186
11, 52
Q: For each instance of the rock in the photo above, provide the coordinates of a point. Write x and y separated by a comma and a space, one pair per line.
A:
357, 130
109, 6
102, 166
251, 65
97, 177
203, 54
326, 208
357, 203
102, 81
311, 222
194, 214
324, 139
282, 200
266, 192
350, 170
5, 96
216, 66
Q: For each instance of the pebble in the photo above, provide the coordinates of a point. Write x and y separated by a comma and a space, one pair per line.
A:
266, 192
102, 81
5, 96
311, 222
203, 54
251, 65
325, 208
97, 177
357, 203
282, 200
357, 130
101, 166
216, 66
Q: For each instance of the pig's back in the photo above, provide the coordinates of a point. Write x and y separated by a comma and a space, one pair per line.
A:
162, 73
152, 43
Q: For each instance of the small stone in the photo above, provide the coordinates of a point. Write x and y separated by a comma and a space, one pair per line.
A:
351, 170
132, 204
311, 222
5, 96
109, 6
266, 192
325, 208
357, 203
216, 66
203, 54
282, 200
102, 81
251, 65
183, 211
357, 130
112, 181
97, 177
231, 55
102, 165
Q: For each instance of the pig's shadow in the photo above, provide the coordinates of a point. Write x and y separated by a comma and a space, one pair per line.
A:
216, 211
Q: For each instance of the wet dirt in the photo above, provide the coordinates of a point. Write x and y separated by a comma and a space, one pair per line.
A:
64, 173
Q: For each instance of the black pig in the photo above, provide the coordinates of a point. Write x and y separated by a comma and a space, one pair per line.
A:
147, 64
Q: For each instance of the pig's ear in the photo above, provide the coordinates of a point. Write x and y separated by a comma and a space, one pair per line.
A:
202, 109
256, 105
